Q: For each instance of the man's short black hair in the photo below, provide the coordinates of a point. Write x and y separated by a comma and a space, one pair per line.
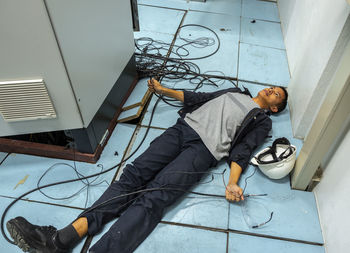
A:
281, 106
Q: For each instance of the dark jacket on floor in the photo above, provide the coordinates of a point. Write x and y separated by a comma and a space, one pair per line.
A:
252, 133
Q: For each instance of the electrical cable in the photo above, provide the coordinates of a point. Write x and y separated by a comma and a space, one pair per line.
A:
149, 59
78, 175
253, 195
246, 180
167, 187
86, 186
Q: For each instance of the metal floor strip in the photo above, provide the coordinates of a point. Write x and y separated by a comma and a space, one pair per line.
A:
241, 232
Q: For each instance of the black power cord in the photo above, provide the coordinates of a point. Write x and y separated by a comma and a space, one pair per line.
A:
149, 60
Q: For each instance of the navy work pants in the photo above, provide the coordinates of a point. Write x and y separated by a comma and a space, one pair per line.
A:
169, 162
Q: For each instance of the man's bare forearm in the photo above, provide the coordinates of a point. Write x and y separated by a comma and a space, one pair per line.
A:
233, 191
178, 95
155, 86
235, 173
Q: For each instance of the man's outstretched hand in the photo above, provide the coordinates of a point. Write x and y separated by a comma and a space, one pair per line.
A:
155, 86
234, 193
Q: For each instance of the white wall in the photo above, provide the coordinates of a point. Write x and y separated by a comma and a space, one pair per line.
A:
311, 30
332, 195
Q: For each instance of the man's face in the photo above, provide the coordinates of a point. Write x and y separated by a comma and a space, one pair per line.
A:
272, 97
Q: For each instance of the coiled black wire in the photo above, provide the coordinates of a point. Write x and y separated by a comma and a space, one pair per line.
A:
179, 65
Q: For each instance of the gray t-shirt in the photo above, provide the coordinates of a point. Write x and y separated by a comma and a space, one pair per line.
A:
217, 120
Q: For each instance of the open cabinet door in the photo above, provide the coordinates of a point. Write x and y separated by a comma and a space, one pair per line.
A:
329, 122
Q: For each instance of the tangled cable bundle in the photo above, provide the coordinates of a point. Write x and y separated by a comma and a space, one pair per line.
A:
179, 65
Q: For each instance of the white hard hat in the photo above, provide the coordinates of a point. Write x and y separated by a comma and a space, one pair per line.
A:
276, 161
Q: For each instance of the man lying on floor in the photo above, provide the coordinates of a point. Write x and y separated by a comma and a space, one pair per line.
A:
226, 124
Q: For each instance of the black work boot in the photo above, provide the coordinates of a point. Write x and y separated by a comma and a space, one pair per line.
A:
34, 239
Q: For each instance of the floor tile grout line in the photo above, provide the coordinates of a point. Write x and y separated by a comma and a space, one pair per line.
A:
257, 45
239, 41
174, 39
265, 20
162, 7
213, 229
275, 237
227, 242
318, 215
158, 32
258, 83
45, 203
228, 226
205, 11
228, 216
154, 127
188, 9
210, 12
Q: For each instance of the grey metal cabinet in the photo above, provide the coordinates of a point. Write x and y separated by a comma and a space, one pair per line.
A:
78, 48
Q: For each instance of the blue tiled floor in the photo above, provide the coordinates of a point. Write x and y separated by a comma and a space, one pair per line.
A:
260, 64
261, 33
2, 155
174, 239
243, 244
232, 7
260, 10
227, 29
254, 53
175, 4
160, 20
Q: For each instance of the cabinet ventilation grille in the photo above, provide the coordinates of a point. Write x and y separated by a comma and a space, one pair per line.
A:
25, 100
